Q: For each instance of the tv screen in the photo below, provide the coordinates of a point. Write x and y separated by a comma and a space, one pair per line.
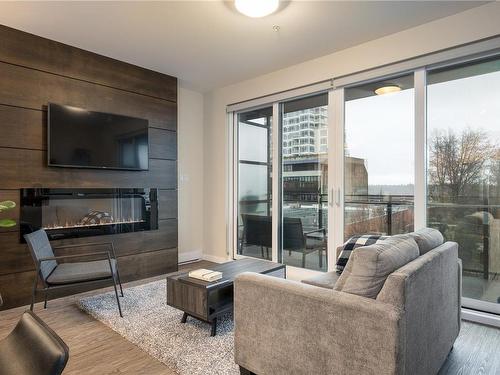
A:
85, 139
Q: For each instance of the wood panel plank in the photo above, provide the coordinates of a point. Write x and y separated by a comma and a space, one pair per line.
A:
10, 195
162, 144
26, 168
23, 87
167, 204
29, 50
127, 243
16, 287
15, 256
139, 266
23, 128
27, 128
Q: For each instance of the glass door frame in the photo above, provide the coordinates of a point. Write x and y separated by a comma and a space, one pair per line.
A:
233, 164
334, 179
420, 145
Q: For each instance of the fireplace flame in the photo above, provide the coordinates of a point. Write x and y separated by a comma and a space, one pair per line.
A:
79, 225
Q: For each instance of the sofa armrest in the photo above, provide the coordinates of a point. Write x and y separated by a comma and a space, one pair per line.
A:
428, 289
286, 327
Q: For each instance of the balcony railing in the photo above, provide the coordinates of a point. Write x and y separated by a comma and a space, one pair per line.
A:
379, 212
473, 222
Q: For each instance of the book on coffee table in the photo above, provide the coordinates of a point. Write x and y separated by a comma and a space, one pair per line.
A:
205, 275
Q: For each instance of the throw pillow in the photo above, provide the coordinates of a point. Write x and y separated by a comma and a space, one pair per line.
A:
353, 243
370, 266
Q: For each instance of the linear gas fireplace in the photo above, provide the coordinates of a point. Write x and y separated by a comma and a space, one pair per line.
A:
67, 213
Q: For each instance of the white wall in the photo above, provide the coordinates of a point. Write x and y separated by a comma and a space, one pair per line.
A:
468, 26
190, 173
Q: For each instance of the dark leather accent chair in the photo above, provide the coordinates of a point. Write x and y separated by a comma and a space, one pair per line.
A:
56, 275
32, 348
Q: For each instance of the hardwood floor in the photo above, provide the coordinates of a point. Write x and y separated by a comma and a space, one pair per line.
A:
96, 349
476, 351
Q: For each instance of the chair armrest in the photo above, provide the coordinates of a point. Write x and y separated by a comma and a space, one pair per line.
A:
111, 245
286, 327
75, 256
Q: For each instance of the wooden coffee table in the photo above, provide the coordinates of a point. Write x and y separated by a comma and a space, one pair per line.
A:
208, 300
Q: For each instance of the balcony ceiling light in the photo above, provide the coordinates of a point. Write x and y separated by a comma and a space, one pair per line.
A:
256, 8
389, 89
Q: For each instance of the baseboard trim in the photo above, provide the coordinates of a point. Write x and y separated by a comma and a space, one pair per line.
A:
214, 258
481, 317
189, 256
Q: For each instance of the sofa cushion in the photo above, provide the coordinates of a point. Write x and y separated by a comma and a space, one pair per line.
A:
325, 280
427, 239
353, 243
369, 266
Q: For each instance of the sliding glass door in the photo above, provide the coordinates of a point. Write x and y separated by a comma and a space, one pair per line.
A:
385, 156
379, 157
463, 201
304, 182
295, 231
254, 176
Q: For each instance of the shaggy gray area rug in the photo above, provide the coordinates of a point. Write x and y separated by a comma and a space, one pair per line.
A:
156, 328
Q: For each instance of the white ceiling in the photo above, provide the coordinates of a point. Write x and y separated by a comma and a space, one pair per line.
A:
207, 44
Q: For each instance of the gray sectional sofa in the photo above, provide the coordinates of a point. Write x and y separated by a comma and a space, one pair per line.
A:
407, 326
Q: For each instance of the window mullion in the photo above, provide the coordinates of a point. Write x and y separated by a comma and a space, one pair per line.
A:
335, 173
420, 194
276, 182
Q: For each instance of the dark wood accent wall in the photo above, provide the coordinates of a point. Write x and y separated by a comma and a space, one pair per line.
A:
35, 71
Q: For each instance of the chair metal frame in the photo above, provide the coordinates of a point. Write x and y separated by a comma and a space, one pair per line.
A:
47, 287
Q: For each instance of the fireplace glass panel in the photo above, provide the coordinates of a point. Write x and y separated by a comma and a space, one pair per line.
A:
67, 213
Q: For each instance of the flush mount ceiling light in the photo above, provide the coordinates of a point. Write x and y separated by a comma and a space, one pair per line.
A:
256, 8
389, 89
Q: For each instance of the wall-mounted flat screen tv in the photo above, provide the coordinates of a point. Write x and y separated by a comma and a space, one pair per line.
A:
85, 139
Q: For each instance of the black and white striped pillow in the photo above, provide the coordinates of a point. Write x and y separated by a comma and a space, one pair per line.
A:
353, 243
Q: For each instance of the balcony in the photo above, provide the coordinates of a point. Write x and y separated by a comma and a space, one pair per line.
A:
476, 228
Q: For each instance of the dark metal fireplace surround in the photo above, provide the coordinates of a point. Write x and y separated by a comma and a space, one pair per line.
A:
70, 213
